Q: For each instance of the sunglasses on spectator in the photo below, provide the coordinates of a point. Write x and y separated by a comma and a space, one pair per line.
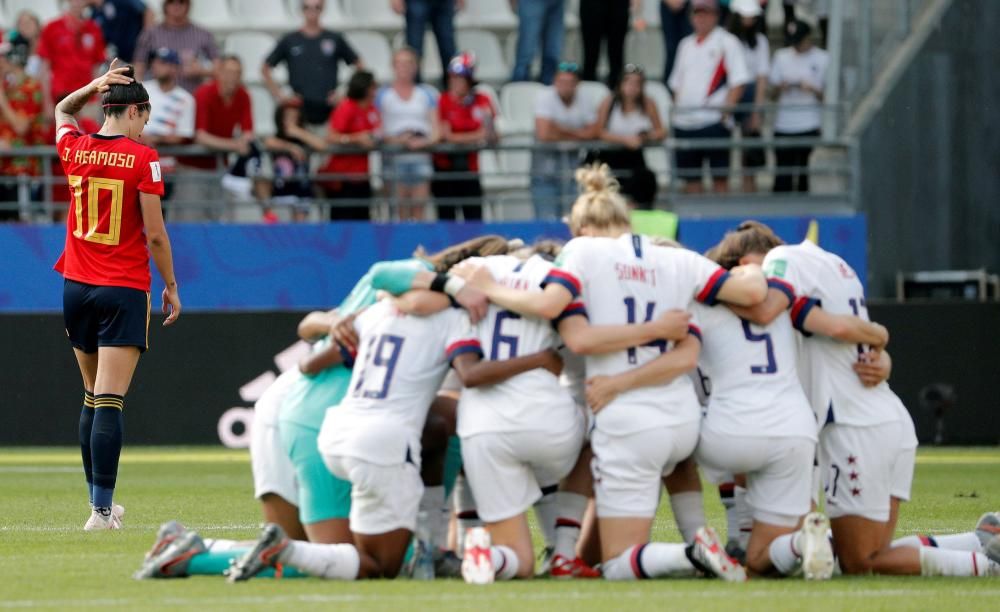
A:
176, 1
569, 67
312, 7
634, 69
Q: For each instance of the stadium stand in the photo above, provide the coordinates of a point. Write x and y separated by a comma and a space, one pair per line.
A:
264, 14
430, 64
375, 15
375, 51
488, 14
216, 16
491, 65
46, 10
252, 48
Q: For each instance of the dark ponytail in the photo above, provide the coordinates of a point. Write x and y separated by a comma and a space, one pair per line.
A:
118, 98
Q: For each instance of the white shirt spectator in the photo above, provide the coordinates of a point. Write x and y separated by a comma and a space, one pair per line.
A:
172, 114
578, 115
702, 75
400, 116
634, 123
798, 110
758, 59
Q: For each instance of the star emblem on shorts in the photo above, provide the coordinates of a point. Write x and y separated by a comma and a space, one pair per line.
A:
851, 460
853, 475
855, 492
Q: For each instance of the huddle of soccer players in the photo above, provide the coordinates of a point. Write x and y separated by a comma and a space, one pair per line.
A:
798, 400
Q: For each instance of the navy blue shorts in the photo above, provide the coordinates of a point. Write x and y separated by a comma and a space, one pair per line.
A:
693, 158
105, 316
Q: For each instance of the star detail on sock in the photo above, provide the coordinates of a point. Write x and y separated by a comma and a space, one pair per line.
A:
855, 491
853, 475
852, 460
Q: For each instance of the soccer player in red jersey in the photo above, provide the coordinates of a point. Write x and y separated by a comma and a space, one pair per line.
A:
115, 223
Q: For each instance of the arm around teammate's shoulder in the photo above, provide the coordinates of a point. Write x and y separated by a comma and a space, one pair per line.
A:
745, 286
846, 328
159, 247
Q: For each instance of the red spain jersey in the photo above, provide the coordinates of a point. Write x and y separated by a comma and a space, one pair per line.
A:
105, 241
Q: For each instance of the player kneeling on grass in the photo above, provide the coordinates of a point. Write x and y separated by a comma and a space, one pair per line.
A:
867, 445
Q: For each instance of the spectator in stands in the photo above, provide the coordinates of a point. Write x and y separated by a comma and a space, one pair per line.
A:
355, 123
605, 22
540, 22
21, 123
195, 45
440, 15
410, 120
798, 75
72, 48
29, 28
675, 22
746, 25
172, 118
224, 124
467, 117
820, 8
561, 115
122, 21
708, 77
313, 55
289, 149
630, 119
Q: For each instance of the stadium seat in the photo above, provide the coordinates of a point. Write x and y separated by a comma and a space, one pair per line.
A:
45, 10
517, 105
333, 16
491, 14
658, 162
514, 206
374, 51
646, 49
572, 19
253, 48
491, 65
659, 93
214, 16
651, 13
373, 14
263, 14
594, 91
262, 105
430, 64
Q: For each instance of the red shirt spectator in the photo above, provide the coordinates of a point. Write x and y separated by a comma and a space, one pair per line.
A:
220, 116
464, 115
352, 117
73, 47
21, 96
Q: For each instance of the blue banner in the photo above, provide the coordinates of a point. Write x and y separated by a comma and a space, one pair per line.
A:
299, 267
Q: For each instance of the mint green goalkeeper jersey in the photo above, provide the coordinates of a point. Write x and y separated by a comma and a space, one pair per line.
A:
310, 396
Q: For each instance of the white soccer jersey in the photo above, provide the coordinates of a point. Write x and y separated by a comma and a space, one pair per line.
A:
399, 367
629, 280
755, 387
811, 276
532, 399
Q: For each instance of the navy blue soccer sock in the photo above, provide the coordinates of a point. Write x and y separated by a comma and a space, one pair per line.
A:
106, 445
86, 427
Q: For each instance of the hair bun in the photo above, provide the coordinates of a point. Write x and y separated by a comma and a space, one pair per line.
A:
129, 71
596, 178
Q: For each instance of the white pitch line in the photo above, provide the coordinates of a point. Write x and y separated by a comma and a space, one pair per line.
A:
128, 526
38, 469
474, 595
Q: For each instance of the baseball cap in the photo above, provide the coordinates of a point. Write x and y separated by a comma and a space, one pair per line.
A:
746, 8
463, 64
705, 5
167, 55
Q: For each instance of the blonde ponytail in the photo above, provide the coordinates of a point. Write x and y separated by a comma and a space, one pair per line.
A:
599, 205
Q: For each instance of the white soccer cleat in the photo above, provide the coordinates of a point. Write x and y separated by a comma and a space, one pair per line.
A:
817, 553
118, 510
477, 562
99, 522
709, 555
987, 527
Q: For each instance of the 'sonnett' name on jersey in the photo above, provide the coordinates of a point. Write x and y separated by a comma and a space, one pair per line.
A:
105, 241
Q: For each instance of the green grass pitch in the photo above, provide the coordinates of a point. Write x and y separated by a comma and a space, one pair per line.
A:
48, 562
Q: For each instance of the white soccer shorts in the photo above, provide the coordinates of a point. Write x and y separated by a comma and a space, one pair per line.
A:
778, 470
859, 464
383, 497
273, 471
507, 470
628, 469
902, 467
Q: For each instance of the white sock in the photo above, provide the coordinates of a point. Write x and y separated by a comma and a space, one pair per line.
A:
217, 545
968, 542
547, 512
465, 510
689, 513
937, 562
727, 497
653, 560
432, 503
505, 562
785, 553
744, 516
334, 561
570, 509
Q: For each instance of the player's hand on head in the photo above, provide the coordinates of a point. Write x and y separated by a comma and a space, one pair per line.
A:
601, 391
171, 305
474, 301
114, 76
344, 333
